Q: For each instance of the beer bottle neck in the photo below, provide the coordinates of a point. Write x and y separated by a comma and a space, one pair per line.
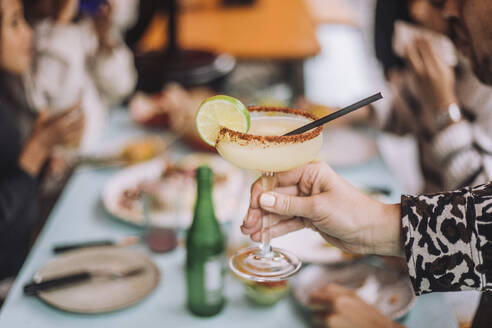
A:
204, 190
204, 202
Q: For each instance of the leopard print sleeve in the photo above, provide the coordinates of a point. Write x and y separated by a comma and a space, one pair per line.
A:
448, 239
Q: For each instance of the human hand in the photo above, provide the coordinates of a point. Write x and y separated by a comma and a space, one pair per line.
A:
48, 131
65, 129
314, 196
343, 308
67, 11
434, 76
102, 25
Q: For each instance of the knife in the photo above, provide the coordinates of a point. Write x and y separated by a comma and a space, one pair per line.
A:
34, 287
127, 241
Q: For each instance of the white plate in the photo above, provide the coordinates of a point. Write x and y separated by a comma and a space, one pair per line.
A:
344, 146
180, 214
126, 179
309, 246
99, 295
387, 289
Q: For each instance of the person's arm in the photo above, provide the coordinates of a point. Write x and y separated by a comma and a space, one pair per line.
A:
463, 153
448, 239
339, 307
115, 74
113, 66
456, 144
17, 185
56, 81
17, 191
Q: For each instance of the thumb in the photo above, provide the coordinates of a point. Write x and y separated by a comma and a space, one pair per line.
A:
287, 205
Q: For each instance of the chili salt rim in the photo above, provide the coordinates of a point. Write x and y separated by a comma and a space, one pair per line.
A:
297, 138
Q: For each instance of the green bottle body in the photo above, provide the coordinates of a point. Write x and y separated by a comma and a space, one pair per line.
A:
205, 253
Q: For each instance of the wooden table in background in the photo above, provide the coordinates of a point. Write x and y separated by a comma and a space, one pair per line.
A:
270, 29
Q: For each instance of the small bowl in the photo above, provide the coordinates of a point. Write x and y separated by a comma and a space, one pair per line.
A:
265, 293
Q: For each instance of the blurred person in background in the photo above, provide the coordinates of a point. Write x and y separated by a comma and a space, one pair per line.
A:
428, 81
27, 140
80, 56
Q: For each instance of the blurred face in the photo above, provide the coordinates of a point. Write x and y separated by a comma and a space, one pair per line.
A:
428, 16
471, 30
15, 38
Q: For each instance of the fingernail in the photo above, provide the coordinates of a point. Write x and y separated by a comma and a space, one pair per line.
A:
267, 200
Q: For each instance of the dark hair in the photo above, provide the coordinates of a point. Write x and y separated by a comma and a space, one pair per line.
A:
387, 13
13, 95
31, 10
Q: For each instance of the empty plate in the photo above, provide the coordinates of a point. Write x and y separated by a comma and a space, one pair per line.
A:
99, 294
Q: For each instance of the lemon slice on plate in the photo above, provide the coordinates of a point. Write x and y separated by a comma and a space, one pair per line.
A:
221, 111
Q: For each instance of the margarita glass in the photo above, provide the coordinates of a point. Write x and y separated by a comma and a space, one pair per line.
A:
265, 148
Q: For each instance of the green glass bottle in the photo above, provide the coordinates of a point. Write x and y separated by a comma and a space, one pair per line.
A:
205, 252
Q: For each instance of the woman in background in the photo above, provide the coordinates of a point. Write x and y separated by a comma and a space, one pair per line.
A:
80, 57
444, 107
27, 140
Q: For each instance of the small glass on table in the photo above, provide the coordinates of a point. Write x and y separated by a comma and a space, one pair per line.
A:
265, 148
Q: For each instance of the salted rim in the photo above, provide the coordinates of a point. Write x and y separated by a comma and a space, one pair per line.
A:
297, 138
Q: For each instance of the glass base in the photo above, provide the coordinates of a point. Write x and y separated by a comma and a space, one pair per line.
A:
279, 265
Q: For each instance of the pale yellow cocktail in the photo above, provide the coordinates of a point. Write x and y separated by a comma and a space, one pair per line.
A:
263, 148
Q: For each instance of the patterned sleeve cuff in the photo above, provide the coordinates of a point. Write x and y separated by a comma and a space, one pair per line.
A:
452, 139
440, 236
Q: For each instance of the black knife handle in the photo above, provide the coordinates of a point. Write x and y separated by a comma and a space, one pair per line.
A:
68, 247
33, 288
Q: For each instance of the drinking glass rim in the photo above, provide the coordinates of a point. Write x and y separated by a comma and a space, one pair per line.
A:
236, 136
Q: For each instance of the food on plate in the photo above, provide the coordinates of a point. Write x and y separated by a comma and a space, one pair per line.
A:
316, 109
319, 111
142, 149
174, 106
148, 109
183, 105
172, 193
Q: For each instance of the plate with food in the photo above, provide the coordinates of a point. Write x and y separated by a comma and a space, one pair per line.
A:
384, 286
128, 152
175, 107
171, 190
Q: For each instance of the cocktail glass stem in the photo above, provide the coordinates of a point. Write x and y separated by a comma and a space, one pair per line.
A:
268, 182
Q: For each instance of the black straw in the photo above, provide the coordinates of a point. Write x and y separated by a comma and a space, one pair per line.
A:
337, 114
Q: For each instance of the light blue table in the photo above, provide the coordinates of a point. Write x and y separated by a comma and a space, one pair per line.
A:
79, 215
